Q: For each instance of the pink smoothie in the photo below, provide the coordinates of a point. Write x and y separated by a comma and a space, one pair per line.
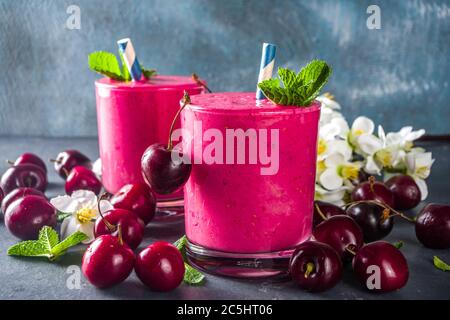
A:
233, 207
131, 116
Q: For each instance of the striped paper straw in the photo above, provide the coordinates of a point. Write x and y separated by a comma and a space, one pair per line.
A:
131, 61
267, 62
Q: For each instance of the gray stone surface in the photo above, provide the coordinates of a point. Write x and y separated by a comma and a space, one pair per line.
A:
402, 67
26, 278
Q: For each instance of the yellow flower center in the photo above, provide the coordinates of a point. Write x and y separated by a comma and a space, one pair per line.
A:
85, 215
422, 172
322, 147
321, 167
349, 171
385, 157
409, 145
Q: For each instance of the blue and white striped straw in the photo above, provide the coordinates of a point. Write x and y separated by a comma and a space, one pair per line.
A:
131, 61
267, 63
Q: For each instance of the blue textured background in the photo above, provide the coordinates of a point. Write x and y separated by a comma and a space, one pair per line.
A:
398, 75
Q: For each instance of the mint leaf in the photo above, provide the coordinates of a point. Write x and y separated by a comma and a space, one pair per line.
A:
192, 276
62, 215
30, 248
125, 73
148, 73
441, 265
105, 63
48, 238
297, 89
72, 240
398, 244
47, 245
181, 246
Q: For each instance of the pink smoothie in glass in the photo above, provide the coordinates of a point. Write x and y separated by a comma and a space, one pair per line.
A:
132, 116
233, 207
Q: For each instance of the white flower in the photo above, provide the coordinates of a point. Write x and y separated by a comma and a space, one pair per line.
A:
418, 166
83, 205
328, 110
404, 138
379, 152
335, 197
337, 170
97, 168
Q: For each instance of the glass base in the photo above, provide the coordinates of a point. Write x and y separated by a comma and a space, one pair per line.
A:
169, 209
239, 265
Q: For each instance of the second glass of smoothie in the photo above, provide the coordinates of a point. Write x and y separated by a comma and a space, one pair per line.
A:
131, 116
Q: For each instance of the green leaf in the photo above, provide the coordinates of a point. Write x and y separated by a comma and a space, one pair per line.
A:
105, 63
47, 245
398, 244
181, 246
148, 73
72, 240
30, 248
298, 89
48, 238
62, 215
315, 75
441, 265
193, 276
125, 73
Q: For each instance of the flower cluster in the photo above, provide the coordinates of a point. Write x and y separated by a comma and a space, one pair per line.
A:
346, 154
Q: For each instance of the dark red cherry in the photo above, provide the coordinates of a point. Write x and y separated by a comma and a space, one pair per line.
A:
406, 193
2, 195
65, 161
380, 266
132, 228
373, 190
24, 175
315, 266
433, 226
373, 219
26, 216
160, 266
82, 178
107, 261
342, 233
137, 198
324, 210
19, 193
31, 158
161, 173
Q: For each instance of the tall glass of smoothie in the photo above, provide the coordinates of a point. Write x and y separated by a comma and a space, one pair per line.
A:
131, 116
249, 199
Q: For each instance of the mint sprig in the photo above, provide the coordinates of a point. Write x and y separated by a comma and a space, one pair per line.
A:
297, 89
47, 245
191, 275
440, 264
106, 63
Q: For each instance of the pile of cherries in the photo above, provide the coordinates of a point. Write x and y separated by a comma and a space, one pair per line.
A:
353, 233
23, 202
109, 259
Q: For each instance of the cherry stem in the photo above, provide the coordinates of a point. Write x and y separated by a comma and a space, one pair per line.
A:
200, 82
186, 100
350, 249
110, 226
119, 234
321, 214
309, 268
383, 205
371, 182
10, 162
65, 172
54, 160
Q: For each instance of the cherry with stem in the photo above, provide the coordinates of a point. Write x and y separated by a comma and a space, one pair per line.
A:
200, 82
